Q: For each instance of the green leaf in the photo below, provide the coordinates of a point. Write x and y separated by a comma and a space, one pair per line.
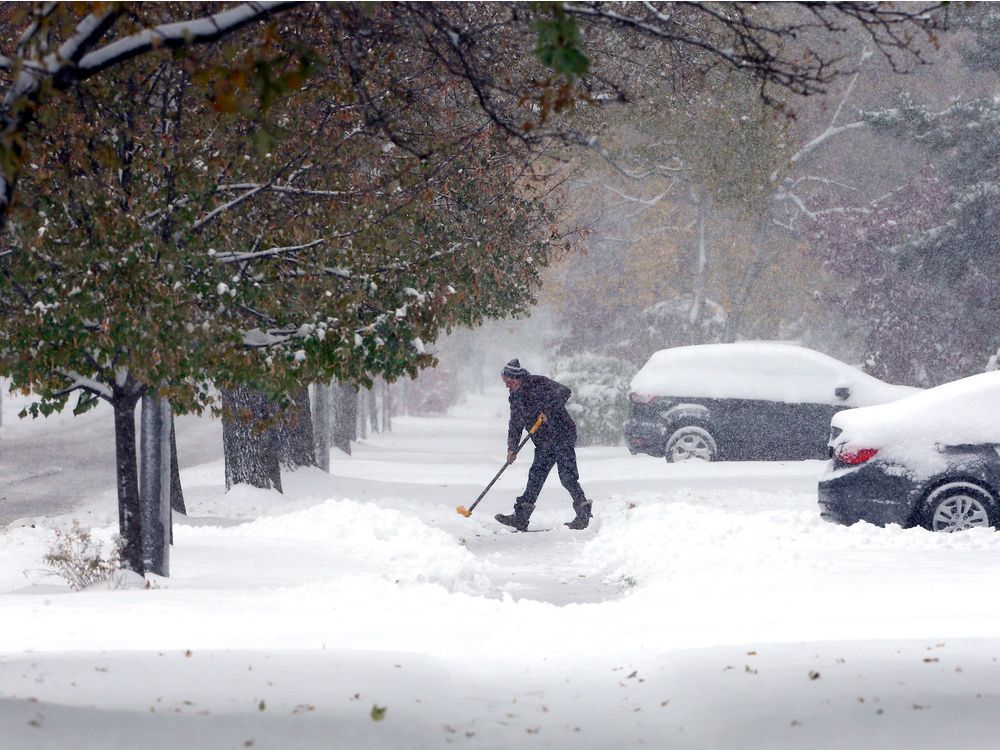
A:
378, 712
560, 46
85, 403
262, 141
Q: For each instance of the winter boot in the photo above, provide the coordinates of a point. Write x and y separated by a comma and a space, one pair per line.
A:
582, 519
512, 520
519, 518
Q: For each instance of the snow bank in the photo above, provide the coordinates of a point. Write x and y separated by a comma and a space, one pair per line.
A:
399, 546
656, 540
767, 575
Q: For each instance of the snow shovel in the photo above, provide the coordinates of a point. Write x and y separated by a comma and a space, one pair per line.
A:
461, 509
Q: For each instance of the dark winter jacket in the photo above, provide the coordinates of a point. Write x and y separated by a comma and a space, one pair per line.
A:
540, 395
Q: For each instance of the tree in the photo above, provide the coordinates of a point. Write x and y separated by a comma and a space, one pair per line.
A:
322, 428
912, 335
932, 240
250, 439
118, 288
692, 174
345, 425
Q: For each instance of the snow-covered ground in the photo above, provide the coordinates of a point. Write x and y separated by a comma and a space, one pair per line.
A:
708, 606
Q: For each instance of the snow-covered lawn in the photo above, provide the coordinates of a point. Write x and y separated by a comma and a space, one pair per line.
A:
708, 606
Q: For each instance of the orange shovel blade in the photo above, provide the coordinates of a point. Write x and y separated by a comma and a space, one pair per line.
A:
463, 511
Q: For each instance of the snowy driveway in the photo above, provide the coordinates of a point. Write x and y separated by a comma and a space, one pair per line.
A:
708, 606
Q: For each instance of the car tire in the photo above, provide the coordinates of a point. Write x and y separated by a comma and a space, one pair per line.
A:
691, 441
957, 506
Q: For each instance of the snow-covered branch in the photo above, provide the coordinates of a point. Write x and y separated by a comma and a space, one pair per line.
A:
787, 192
646, 202
82, 382
823, 137
832, 130
180, 34
226, 206
258, 339
592, 143
77, 59
269, 253
289, 189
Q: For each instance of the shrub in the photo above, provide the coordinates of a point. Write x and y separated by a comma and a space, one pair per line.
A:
78, 558
599, 403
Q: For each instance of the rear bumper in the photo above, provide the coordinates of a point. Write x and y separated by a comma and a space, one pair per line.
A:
866, 493
642, 436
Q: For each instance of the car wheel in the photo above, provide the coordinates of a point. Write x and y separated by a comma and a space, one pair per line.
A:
959, 505
689, 442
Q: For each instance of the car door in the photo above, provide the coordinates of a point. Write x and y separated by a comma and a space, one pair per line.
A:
805, 428
744, 432
796, 422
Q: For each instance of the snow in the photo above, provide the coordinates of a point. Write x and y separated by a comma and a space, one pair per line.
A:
707, 606
909, 431
197, 29
762, 371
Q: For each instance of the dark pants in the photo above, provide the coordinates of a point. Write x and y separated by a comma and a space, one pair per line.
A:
563, 455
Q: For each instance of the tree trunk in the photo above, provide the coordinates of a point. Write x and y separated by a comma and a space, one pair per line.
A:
362, 413
129, 518
251, 450
296, 434
176, 491
386, 407
346, 409
321, 424
700, 281
400, 406
373, 409
762, 260
154, 484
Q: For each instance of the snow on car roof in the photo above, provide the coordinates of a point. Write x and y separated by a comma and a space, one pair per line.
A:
760, 370
962, 412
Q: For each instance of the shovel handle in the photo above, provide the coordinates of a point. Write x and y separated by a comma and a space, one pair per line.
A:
461, 509
534, 428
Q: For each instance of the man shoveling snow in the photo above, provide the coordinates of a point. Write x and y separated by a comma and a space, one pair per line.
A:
555, 443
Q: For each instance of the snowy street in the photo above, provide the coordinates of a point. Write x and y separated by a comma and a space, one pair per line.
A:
59, 468
707, 606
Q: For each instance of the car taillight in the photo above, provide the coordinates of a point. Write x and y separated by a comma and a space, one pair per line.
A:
639, 398
855, 457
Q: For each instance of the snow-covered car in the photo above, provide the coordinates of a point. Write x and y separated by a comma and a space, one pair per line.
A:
931, 459
746, 401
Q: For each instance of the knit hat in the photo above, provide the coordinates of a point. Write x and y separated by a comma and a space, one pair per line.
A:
514, 370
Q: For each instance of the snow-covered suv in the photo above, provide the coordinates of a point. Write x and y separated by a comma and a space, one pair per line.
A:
747, 401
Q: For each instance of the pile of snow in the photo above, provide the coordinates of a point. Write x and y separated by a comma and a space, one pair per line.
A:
764, 575
760, 371
657, 540
909, 432
400, 547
